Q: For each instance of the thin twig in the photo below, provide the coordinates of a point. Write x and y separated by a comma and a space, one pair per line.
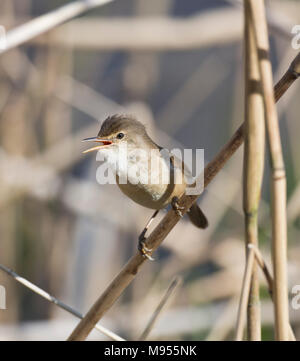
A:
176, 282
253, 165
46, 22
262, 264
129, 271
55, 301
278, 177
244, 294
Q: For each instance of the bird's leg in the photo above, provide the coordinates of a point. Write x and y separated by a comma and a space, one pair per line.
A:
177, 209
142, 239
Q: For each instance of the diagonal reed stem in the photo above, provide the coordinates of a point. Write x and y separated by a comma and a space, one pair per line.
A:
175, 283
56, 302
46, 22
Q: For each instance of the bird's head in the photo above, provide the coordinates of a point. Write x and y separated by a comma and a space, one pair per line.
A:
116, 130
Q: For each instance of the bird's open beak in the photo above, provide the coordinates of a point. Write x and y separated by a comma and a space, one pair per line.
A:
104, 143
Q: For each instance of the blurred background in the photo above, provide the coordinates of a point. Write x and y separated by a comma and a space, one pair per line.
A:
178, 67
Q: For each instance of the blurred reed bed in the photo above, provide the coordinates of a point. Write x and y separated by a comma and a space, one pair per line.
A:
70, 235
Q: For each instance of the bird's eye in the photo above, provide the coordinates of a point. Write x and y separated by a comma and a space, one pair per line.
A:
120, 135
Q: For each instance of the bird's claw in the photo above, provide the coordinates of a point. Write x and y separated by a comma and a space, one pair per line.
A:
176, 208
145, 252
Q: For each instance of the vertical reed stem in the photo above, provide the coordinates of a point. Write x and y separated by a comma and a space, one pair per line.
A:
278, 181
253, 165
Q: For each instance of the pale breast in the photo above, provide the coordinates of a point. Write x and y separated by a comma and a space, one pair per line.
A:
156, 185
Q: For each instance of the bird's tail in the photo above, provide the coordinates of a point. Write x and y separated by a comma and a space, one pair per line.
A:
197, 217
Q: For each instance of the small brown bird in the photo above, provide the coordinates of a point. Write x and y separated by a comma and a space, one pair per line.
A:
142, 172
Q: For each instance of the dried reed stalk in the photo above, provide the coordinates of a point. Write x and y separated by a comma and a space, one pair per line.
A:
278, 181
254, 134
129, 271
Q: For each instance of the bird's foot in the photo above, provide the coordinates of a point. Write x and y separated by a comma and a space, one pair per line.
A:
145, 252
176, 208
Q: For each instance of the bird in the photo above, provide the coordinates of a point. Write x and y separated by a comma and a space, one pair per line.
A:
142, 170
